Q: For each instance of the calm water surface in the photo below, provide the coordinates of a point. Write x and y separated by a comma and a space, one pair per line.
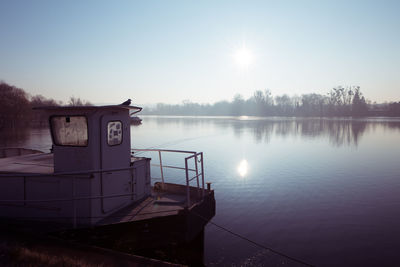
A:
326, 191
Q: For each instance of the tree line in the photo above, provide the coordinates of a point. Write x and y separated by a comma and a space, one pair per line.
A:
339, 102
16, 107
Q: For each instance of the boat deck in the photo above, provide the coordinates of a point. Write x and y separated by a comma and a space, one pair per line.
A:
158, 204
149, 208
159, 220
32, 163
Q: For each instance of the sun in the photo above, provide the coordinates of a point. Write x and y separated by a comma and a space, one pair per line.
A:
243, 57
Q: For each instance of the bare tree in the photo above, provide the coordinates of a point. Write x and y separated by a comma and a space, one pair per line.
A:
76, 101
14, 106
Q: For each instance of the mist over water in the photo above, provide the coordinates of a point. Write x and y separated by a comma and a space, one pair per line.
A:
325, 191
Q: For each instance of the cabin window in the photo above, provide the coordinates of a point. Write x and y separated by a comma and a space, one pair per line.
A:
114, 133
69, 130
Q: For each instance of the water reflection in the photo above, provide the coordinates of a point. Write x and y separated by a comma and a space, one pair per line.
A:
243, 168
11, 138
339, 131
33, 138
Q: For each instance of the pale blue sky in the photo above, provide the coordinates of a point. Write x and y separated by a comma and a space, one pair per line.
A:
168, 51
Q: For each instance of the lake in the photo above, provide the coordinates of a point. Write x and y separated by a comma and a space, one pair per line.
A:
325, 191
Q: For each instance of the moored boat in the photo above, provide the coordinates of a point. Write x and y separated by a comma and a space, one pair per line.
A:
92, 179
135, 120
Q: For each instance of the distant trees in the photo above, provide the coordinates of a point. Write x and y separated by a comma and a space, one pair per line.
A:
284, 105
313, 105
359, 105
39, 117
263, 103
394, 109
41, 101
76, 101
340, 101
16, 107
347, 102
238, 105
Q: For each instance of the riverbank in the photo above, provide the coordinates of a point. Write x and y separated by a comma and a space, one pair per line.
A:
22, 247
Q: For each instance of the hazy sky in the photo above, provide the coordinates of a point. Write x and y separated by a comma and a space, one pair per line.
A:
168, 51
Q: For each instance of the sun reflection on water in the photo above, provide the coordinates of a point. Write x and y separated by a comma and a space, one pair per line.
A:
243, 168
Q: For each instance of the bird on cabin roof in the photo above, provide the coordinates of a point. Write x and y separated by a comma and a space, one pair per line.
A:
126, 103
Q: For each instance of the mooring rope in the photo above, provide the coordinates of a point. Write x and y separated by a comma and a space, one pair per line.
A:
253, 242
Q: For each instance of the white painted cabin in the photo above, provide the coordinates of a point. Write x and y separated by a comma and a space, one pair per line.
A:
89, 175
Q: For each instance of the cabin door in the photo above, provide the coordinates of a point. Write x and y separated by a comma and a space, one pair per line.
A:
115, 154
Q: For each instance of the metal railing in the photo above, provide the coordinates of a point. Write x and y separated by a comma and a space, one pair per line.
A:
89, 174
196, 156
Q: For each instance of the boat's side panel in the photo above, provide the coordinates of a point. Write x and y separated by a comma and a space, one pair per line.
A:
137, 187
46, 198
11, 188
141, 178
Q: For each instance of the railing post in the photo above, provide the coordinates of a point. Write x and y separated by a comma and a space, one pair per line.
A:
202, 174
197, 171
187, 184
161, 169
